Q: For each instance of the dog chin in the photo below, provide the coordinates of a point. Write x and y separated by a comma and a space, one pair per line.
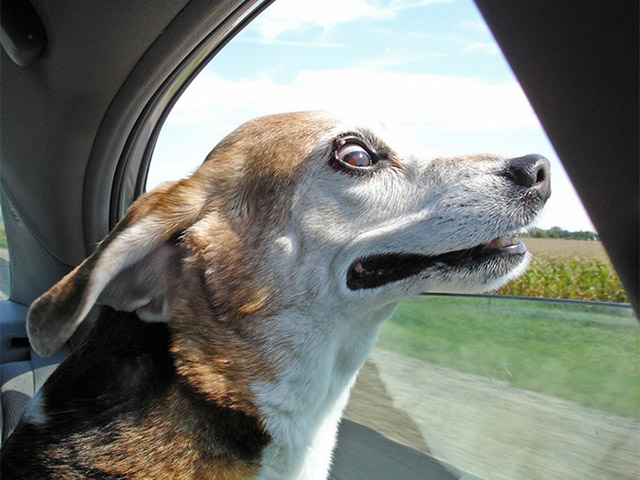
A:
482, 281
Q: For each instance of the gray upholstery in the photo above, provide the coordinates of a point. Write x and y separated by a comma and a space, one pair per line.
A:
12, 325
22, 371
20, 381
17, 389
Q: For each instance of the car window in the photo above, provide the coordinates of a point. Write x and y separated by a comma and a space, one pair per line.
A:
539, 380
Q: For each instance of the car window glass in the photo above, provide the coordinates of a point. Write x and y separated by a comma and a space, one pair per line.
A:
492, 386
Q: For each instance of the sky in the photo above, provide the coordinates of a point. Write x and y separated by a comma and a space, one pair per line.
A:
429, 66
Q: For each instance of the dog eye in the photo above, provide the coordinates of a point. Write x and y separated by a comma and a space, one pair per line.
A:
354, 155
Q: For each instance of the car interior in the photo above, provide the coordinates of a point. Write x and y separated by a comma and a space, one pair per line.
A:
86, 86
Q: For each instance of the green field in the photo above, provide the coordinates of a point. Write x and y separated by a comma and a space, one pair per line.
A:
569, 278
568, 269
583, 353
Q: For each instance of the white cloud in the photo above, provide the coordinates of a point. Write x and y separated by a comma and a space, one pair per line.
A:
489, 48
477, 26
295, 15
286, 16
394, 57
441, 102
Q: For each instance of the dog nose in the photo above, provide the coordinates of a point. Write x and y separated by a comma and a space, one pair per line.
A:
531, 171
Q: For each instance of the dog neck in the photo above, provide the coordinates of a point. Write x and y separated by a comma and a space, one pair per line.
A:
292, 371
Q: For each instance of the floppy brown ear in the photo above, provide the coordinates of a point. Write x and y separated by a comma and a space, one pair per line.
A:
131, 270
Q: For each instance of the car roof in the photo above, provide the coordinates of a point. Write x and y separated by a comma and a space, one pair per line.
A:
79, 120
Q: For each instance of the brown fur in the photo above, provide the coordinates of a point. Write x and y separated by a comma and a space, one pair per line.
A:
161, 446
216, 355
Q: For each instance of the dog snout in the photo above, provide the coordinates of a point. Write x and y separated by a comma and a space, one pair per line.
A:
531, 171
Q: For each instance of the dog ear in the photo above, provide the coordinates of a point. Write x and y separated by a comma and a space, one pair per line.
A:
131, 270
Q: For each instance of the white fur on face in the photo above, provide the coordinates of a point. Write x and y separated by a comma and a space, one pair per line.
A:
421, 206
429, 207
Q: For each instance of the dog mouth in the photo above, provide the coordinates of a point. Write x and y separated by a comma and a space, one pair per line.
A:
500, 256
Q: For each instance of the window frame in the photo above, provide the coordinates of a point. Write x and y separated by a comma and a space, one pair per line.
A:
133, 121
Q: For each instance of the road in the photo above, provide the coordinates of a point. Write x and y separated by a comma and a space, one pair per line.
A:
489, 428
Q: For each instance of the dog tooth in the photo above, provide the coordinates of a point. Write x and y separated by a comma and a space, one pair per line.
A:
507, 239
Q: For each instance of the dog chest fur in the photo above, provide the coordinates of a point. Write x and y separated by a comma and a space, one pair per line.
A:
302, 408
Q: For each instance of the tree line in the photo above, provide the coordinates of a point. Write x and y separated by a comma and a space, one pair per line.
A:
557, 232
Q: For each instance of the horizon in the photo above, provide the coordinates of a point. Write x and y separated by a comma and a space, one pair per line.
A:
429, 66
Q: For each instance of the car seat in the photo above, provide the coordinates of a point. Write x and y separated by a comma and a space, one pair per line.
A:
22, 370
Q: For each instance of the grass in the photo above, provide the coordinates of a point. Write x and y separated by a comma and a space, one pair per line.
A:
583, 353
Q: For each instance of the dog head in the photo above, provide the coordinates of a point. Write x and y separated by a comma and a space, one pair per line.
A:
305, 211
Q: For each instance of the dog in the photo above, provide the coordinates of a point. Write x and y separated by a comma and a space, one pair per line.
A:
237, 305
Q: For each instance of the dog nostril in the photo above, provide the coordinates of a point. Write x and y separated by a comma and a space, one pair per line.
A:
531, 171
528, 171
